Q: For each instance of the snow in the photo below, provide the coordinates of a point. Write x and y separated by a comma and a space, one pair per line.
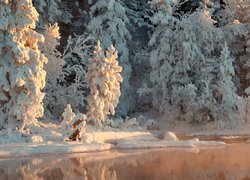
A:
97, 141
230, 137
113, 137
27, 149
163, 144
169, 136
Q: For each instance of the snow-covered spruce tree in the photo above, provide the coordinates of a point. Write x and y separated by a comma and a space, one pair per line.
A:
22, 74
140, 27
228, 15
245, 12
169, 65
225, 92
104, 81
138, 11
108, 24
184, 59
52, 11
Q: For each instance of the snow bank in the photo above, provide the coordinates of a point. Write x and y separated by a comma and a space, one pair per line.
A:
113, 137
164, 144
101, 141
230, 137
26, 149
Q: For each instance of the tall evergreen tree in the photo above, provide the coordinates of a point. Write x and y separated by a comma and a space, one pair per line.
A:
21, 66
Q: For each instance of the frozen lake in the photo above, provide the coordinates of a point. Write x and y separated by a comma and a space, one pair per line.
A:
229, 162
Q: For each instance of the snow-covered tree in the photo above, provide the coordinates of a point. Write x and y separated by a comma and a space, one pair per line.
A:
108, 23
104, 81
22, 74
68, 115
225, 91
65, 83
185, 58
174, 52
52, 11
49, 48
245, 13
138, 11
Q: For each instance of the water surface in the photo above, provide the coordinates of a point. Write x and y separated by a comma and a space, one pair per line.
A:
229, 162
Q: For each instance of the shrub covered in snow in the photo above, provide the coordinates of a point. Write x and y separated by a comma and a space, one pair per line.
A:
104, 81
73, 125
22, 74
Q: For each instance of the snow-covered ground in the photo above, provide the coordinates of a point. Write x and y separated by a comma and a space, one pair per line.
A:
52, 139
98, 141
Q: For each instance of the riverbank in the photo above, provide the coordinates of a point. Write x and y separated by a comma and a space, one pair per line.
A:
51, 140
103, 141
220, 162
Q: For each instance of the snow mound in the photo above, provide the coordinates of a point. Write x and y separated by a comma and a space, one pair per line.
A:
113, 137
36, 139
165, 144
170, 136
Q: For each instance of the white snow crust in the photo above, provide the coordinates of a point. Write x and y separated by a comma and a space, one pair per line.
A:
95, 141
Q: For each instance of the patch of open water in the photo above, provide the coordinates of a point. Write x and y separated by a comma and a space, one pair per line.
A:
228, 162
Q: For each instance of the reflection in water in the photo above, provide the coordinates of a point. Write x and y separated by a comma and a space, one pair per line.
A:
230, 162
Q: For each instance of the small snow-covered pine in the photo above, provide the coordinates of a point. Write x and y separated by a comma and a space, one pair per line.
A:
109, 24
104, 81
68, 116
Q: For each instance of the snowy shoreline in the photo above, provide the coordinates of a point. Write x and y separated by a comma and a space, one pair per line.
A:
183, 135
104, 141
